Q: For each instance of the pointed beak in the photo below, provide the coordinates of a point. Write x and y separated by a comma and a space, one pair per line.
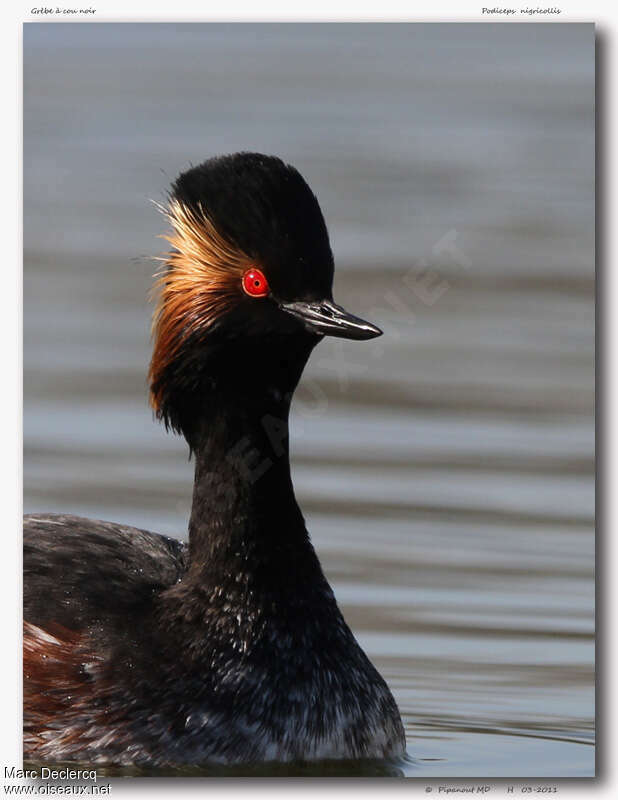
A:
328, 319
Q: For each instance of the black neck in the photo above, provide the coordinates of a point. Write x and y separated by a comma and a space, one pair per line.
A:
245, 522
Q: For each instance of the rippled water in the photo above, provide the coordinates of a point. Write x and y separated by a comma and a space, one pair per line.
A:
446, 469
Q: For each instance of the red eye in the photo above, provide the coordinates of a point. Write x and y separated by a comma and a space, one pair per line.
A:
254, 283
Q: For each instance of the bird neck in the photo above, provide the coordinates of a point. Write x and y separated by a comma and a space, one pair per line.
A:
252, 573
245, 520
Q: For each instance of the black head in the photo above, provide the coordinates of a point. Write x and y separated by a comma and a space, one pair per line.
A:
266, 209
251, 271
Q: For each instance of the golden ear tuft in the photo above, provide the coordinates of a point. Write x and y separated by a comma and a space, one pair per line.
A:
201, 280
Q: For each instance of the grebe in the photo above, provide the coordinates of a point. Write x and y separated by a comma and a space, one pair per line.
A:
139, 649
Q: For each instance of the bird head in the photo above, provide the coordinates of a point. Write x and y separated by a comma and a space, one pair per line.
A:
246, 291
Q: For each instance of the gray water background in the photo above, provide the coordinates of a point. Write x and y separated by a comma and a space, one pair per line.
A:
446, 469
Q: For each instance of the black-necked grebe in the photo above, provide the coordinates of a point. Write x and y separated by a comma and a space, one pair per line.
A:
141, 650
